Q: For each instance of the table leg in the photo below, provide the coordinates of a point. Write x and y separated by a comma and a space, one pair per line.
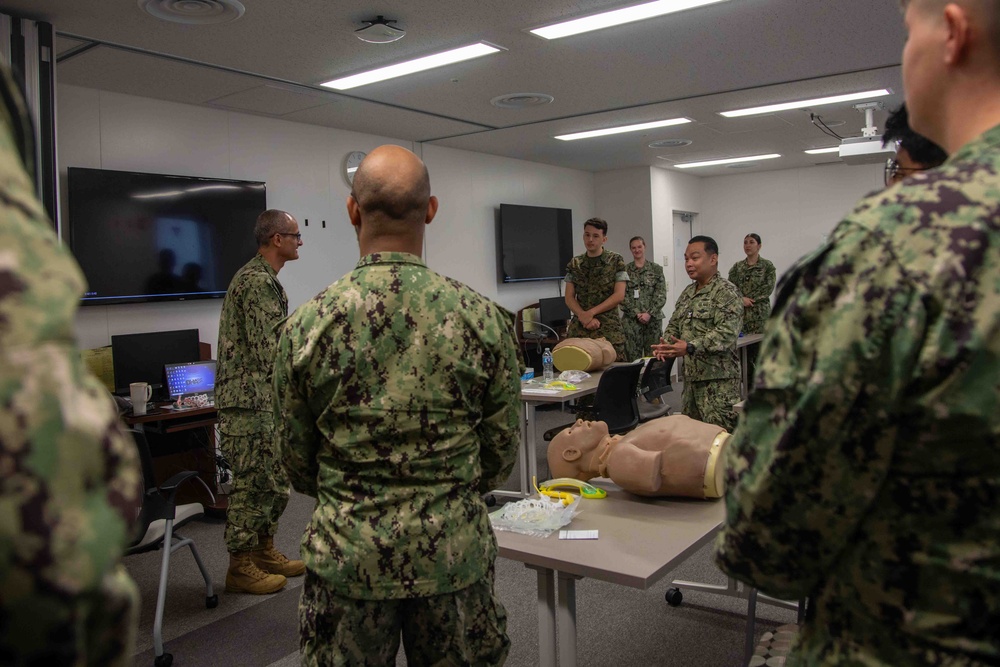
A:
743, 372
532, 450
546, 617
567, 619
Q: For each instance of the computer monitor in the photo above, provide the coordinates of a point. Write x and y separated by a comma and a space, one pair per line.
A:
141, 357
191, 377
553, 312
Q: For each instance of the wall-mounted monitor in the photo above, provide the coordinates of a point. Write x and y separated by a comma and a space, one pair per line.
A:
152, 237
534, 243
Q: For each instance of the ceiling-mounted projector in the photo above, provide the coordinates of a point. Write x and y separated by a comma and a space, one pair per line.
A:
379, 31
866, 149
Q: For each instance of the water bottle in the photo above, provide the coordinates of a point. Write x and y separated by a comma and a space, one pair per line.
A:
547, 372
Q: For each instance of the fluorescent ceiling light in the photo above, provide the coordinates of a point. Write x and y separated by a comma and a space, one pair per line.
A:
732, 160
618, 17
818, 151
412, 66
835, 99
624, 128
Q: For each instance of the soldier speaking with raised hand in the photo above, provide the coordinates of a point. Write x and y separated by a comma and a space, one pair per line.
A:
397, 394
865, 471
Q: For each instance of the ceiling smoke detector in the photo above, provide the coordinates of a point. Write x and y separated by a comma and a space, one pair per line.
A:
379, 31
670, 143
193, 12
521, 100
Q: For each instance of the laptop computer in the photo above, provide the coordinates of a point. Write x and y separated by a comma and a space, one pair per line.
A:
192, 377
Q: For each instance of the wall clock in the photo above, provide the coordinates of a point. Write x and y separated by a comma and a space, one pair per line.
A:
351, 164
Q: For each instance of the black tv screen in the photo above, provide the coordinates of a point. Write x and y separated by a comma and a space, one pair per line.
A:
536, 243
153, 237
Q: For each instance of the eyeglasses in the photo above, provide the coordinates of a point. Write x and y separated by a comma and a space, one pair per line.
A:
893, 171
298, 237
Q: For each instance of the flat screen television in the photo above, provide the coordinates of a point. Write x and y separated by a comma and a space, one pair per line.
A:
152, 237
535, 243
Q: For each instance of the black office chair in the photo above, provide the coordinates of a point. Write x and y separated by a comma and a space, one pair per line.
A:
615, 403
654, 384
158, 519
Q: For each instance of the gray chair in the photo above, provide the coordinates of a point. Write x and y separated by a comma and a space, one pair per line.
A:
159, 519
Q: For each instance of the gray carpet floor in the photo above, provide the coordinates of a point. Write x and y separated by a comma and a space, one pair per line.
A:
615, 625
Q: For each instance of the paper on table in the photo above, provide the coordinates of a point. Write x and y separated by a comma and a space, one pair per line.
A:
577, 534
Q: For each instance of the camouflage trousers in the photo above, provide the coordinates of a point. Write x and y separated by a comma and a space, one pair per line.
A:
467, 627
711, 401
610, 330
260, 487
640, 337
94, 629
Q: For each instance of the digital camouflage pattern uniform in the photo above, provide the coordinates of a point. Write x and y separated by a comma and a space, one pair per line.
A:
70, 485
594, 281
865, 472
652, 289
254, 305
399, 390
754, 282
709, 318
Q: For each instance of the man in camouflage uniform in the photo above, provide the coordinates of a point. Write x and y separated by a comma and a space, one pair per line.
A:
595, 286
645, 296
865, 472
754, 278
703, 331
399, 394
70, 487
254, 305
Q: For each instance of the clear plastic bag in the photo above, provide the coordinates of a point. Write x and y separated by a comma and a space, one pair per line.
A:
537, 517
574, 377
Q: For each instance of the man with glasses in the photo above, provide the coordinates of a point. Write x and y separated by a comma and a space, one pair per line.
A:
915, 152
255, 302
865, 470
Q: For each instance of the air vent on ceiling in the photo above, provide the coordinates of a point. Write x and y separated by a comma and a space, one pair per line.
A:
521, 100
670, 143
194, 12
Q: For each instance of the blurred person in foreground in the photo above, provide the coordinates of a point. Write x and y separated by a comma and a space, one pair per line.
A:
396, 396
865, 471
70, 484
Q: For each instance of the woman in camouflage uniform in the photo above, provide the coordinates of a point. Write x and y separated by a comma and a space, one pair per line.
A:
645, 296
754, 278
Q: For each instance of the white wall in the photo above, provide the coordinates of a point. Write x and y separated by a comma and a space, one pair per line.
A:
461, 241
301, 165
793, 210
623, 199
671, 192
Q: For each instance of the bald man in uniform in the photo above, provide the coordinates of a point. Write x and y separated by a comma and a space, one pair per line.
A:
398, 394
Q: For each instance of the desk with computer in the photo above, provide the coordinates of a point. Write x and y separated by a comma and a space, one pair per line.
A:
179, 421
541, 325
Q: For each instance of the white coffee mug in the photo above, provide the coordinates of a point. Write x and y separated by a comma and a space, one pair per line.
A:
140, 392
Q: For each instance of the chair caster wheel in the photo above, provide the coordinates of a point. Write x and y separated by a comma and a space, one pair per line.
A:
674, 597
164, 660
212, 602
491, 500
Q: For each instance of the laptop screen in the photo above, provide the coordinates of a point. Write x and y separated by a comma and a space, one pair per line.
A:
193, 377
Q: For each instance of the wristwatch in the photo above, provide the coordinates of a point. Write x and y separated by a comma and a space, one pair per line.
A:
691, 349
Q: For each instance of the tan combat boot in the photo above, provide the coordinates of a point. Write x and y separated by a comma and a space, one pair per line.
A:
268, 558
244, 576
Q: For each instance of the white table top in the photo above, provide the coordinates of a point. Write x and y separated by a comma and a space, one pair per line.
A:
748, 339
640, 539
588, 386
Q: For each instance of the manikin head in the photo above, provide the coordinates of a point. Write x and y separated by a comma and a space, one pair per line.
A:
572, 452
